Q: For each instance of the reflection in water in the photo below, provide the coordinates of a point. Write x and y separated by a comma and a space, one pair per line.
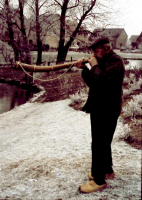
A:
11, 96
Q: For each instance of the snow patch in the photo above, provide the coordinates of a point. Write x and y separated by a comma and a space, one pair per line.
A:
46, 154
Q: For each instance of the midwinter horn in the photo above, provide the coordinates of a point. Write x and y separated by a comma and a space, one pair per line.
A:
37, 68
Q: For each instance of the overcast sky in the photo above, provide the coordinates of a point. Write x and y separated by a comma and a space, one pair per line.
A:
132, 14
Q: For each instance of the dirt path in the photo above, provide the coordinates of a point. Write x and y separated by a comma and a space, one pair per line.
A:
45, 153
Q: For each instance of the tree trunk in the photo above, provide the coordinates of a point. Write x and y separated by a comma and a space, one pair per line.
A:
39, 57
39, 43
61, 49
10, 31
23, 30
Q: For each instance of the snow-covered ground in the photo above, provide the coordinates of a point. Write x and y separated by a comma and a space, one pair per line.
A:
45, 153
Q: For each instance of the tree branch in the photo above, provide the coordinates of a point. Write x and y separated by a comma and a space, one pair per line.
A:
14, 23
79, 24
30, 7
58, 3
42, 4
76, 4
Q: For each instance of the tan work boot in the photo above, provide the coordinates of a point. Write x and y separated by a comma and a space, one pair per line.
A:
90, 176
91, 187
107, 176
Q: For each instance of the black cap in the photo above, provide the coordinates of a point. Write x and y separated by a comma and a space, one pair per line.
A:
99, 41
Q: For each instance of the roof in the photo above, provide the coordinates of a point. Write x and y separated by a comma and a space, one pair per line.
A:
139, 38
133, 38
113, 32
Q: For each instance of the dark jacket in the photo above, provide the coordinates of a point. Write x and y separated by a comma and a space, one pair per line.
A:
105, 83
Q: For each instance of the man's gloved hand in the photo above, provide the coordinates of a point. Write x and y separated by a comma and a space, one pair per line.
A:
92, 61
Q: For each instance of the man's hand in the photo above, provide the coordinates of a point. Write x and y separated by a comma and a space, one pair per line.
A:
79, 64
92, 61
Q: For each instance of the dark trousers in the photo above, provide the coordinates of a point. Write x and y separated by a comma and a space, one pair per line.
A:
102, 128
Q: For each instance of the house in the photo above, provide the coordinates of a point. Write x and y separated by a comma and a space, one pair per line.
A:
133, 41
82, 37
49, 30
80, 40
139, 41
117, 36
50, 26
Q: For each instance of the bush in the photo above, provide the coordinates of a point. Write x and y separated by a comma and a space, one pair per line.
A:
79, 97
6, 53
133, 84
134, 107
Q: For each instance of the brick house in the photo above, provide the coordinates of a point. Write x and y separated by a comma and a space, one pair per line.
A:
117, 36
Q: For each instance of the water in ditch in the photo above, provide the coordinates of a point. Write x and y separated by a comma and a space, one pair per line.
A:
12, 96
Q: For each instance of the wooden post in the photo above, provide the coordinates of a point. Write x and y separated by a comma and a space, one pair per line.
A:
48, 71
70, 69
26, 79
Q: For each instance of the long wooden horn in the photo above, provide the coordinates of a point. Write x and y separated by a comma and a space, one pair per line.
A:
37, 68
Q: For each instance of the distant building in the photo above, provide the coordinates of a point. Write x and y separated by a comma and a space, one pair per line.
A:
133, 38
117, 36
133, 41
50, 26
82, 37
49, 30
139, 41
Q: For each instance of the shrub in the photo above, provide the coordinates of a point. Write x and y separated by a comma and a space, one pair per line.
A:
6, 53
133, 84
134, 107
126, 80
80, 96
127, 92
127, 132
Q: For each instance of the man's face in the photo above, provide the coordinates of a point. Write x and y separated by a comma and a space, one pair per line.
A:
98, 52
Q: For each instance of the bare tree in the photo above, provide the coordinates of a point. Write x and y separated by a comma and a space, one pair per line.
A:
84, 14
87, 14
24, 36
41, 13
14, 30
65, 6
10, 30
38, 31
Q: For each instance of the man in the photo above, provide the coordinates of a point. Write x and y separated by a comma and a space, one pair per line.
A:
105, 80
